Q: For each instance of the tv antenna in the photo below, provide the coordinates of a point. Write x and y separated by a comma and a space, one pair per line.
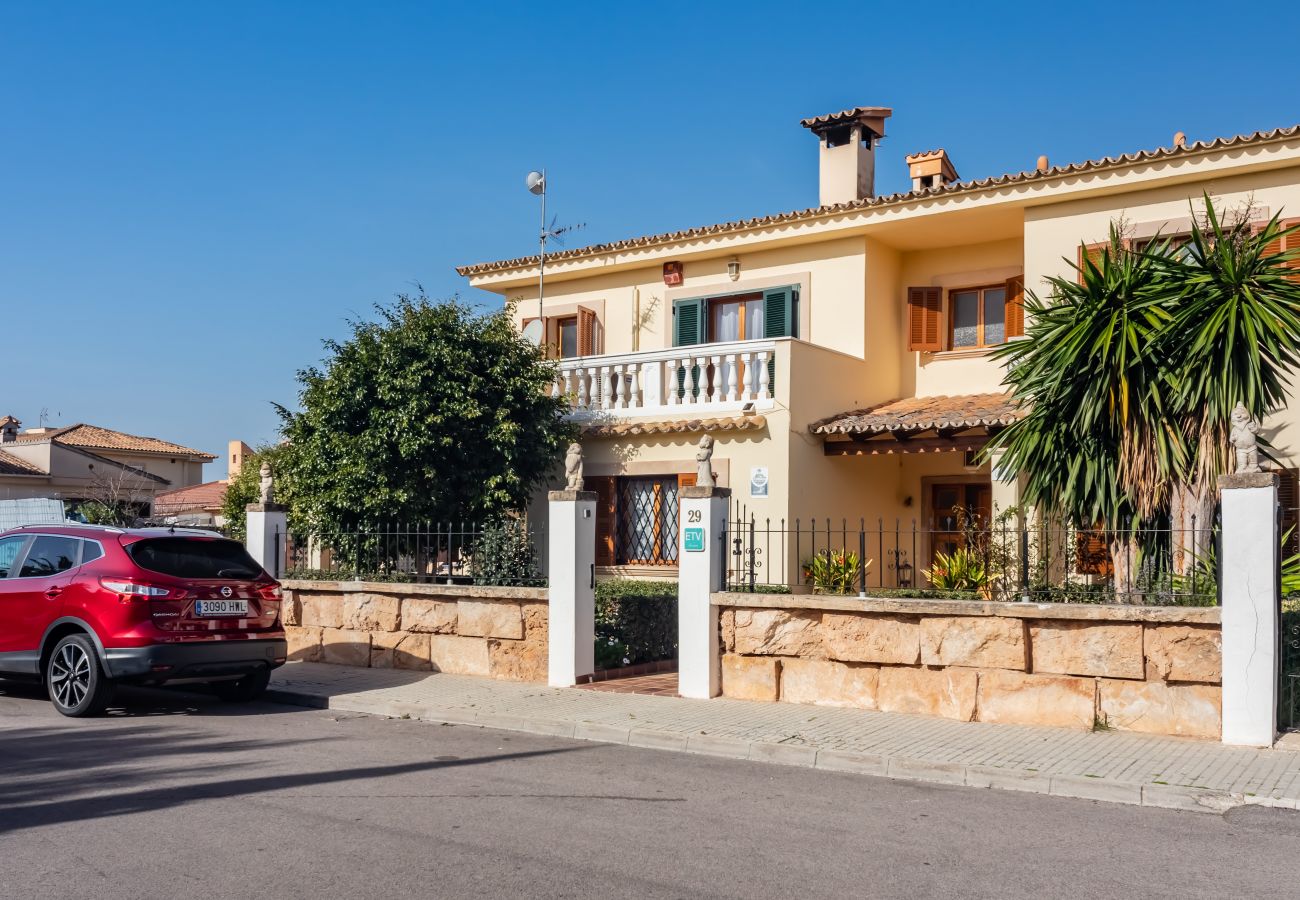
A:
536, 184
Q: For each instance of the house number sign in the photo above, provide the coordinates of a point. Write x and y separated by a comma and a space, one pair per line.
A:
693, 535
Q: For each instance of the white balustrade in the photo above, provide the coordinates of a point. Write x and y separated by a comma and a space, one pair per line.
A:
640, 383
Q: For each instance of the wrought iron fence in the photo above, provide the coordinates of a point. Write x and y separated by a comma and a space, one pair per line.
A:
965, 557
1288, 713
508, 553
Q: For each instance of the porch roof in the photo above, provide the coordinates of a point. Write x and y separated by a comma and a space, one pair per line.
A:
952, 423
678, 426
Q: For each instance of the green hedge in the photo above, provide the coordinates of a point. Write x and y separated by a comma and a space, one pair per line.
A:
636, 622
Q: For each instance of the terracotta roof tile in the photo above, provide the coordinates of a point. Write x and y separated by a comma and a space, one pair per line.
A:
679, 426
847, 115
209, 495
955, 187
13, 465
92, 437
916, 414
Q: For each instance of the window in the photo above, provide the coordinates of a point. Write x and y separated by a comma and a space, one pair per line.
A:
646, 530
769, 313
978, 316
194, 558
568, 328
737, 318
50, 554
90, 551
10, 547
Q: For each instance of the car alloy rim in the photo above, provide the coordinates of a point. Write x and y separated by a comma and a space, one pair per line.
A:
70, 675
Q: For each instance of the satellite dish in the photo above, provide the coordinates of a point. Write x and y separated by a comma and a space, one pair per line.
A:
536, 182
533, 332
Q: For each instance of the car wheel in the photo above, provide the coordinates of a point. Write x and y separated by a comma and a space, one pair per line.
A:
250, 687
74, 679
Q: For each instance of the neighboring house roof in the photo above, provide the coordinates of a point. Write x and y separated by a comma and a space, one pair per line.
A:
92, 437
207, 496
12, 465
917, 414
956, 187
680, 426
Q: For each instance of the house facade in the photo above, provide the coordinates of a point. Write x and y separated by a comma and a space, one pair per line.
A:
839, 355
76, 463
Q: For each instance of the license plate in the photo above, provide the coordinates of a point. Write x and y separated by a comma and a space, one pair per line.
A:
221, 607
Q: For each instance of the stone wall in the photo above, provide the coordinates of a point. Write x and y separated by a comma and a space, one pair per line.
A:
1148, 669
492, 631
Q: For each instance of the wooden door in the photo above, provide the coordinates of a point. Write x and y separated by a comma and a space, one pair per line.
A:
955, 509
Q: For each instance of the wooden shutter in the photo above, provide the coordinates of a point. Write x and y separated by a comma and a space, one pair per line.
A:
686, 480
586, 332
1090, 252
606, 488
924, 312
1291, 244
1015, 317
1288, 501
688, 322
779, 312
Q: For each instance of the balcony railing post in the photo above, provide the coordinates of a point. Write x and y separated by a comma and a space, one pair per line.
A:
764, 390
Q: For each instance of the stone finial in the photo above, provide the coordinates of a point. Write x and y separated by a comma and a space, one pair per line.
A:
267, 484
1180, 139
1244, 440
1041, 164
704, 459
573, 467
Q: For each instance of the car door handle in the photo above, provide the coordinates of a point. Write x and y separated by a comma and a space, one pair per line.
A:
53, 592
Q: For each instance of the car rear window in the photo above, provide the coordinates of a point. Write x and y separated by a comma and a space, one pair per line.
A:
194, 558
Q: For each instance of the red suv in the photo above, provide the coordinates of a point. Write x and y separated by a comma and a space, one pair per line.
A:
85, 607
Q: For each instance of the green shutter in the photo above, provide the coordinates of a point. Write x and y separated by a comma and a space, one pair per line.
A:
779, 311
688, 329
688, 322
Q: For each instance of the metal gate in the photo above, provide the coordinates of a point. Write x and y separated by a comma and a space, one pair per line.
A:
1288, 712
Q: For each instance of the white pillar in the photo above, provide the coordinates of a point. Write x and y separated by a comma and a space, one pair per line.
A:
1248, 572
266, 535
571, 653
700, 561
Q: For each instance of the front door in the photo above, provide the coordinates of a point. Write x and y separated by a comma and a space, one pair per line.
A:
955, 511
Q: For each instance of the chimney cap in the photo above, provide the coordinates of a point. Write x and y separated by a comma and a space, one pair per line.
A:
1180, 139
9, 420
872, 117
932, 162
1042, 165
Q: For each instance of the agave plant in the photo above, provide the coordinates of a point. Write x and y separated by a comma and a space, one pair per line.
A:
963, 569
833, 571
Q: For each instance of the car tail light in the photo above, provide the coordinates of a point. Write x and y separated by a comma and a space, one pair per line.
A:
270, 592
133, 591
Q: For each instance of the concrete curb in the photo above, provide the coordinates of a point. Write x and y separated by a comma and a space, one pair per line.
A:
1164, 796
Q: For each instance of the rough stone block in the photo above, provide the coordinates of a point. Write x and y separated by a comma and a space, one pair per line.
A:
537, 621
858, 637
345, 647
321, 611
371, 612
399, 650
1019, 699
290, 612
949, 693
485, 618
829, 683
428, 616
1104, 649
459, 655
778, 632
517, 660
976, 641
1154, 707
304, 643
727, 623
1184, 653
750, 677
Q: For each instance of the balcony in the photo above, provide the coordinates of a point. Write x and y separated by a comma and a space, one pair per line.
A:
705, 378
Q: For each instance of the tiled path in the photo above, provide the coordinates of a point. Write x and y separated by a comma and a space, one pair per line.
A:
1117, 766
663, 684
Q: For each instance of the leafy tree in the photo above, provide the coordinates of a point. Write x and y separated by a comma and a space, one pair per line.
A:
434, 412
1130, 370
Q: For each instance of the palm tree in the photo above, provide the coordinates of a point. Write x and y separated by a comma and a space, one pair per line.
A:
1130, 370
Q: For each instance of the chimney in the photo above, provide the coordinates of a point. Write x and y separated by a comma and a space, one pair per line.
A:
848, 142
9, 429
930, 169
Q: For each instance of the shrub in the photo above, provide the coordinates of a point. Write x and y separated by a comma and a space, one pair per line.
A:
961, 570
504, 555
833, 571
636, 622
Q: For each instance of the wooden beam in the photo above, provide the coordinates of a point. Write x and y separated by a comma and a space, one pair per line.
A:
915, 445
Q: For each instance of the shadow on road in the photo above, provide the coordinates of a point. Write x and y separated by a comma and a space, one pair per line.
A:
131, 702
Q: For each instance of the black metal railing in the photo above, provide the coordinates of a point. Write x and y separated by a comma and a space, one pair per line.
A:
430, 552
965, 557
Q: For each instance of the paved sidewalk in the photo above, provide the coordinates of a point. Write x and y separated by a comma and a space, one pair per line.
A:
1114, 766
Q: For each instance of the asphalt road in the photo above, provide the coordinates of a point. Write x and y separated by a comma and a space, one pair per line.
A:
181, 796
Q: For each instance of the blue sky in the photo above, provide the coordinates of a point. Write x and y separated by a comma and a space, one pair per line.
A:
195, 195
